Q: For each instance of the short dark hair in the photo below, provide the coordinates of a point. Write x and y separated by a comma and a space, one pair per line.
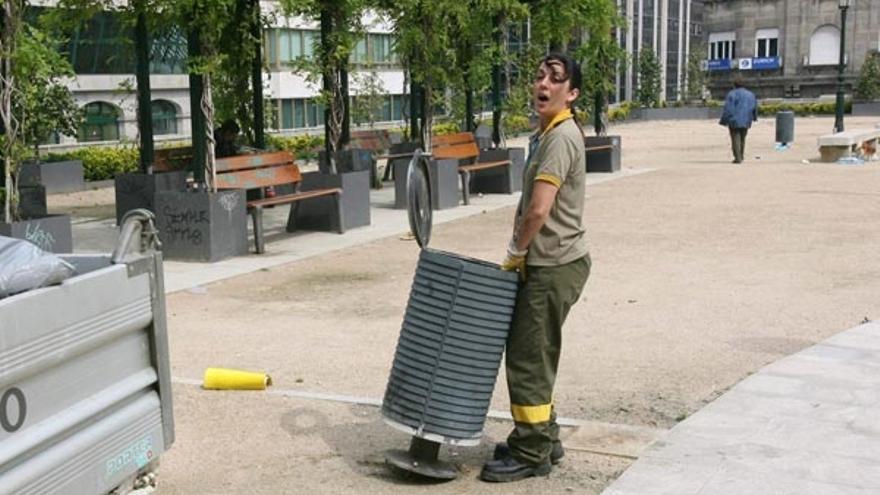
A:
571, 66
738, 82
230, 125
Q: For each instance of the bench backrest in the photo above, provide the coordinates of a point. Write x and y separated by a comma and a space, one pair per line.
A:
172, 159
373, 140
461, 145
257, 170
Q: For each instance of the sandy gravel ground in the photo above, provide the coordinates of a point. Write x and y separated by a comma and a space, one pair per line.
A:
704, 271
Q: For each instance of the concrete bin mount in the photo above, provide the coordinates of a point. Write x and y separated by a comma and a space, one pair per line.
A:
84, 378
450, 346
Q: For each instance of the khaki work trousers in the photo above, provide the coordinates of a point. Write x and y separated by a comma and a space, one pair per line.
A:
532, 359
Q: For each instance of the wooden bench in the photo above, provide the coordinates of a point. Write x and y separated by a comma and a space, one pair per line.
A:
463, 147
833, 147
379, 142
376, 140
602, 153
172, 159
258, 171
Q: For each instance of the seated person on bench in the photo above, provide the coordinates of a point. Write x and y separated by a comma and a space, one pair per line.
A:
225, 138
226, 145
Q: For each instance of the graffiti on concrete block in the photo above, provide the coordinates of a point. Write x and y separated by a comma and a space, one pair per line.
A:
228, 201
42, 239
184, 225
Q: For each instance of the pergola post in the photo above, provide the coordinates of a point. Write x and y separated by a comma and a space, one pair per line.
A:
257, 76
496, 82
142, 77
327, 81
196, 90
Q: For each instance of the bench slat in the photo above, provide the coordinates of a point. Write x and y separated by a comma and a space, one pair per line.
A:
261, 177
374, 140
452, 139
484, 165
290, 198
459, 151
255, 161
170, 159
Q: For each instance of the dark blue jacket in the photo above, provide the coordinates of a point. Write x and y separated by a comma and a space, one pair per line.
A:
740, 109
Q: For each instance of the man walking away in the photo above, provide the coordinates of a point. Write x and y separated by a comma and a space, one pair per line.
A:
740, 110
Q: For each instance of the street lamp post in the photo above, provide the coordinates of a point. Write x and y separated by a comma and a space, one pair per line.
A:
838, 117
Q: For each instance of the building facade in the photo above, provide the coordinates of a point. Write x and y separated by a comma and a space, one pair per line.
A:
669, 28
105, 85
787, 48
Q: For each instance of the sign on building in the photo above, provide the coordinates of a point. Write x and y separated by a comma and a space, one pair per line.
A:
720, 64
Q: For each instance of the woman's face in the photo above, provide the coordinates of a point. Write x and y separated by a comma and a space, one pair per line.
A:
552, 90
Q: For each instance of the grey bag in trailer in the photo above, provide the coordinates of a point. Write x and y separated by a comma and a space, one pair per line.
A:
85, 389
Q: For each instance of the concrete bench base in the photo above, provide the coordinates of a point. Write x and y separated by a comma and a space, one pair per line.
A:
500, 180
443, 177
833, 147
318, 213
830, 154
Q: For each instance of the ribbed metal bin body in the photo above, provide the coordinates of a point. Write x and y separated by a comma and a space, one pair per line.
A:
785, 127
85, 397
451, 342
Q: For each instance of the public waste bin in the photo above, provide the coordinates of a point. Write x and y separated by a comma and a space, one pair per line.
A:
85, 388
450, 346
785, 127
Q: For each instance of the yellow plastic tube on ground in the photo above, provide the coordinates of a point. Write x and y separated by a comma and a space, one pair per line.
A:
229, 379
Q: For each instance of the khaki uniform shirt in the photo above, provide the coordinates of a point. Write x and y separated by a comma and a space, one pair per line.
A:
557, 156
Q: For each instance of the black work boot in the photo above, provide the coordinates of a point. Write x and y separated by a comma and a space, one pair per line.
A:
502, 450
511, 469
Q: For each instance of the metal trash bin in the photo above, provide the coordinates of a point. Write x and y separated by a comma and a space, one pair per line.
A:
85, 386
451, 342
785, 127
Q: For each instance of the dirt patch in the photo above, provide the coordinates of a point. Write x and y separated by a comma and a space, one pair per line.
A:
703, 273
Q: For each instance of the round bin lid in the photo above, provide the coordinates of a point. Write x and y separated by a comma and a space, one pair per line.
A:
418, 196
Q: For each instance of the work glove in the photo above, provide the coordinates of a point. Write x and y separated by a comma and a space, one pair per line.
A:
515, 260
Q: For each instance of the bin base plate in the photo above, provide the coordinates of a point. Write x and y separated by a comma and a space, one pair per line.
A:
429, 468
421, 458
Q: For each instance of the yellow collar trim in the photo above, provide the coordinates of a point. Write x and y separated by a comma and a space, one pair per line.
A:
558, 119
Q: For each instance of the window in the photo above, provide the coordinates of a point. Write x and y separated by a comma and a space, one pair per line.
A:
164, 117
360, 51
101, 123
270, 54
286, 45
299, 113
767, 42
101, 46
168, 51
96, 47
388, 109
825, 46
374, 48
722, 46
381, 48
309, 39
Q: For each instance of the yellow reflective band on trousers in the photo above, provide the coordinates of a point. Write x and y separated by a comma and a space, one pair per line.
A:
531, 414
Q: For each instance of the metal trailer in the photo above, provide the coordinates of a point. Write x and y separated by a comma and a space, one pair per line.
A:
85, 387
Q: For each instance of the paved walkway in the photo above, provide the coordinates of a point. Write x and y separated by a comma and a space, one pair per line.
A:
806, 424
92, 235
